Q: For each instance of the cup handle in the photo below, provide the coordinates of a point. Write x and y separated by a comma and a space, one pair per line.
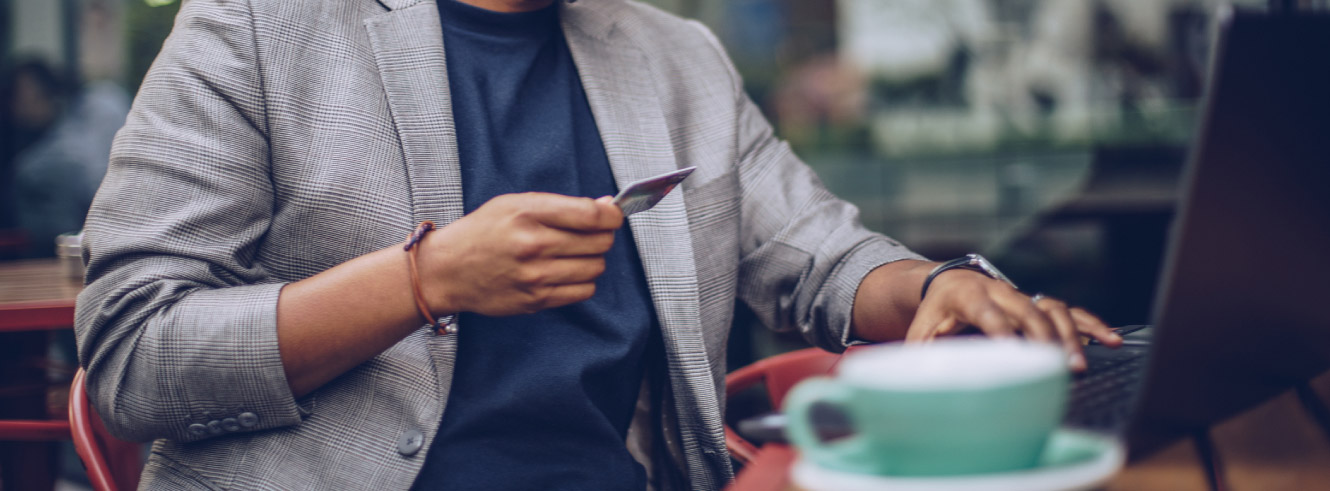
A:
798, 406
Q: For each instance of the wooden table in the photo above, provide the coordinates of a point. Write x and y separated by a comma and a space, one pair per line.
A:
36, 297
1277, 445
37, 294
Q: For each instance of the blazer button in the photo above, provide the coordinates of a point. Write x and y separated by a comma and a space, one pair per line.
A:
198, 429
410, 442
215, 427
230, 424
248, 420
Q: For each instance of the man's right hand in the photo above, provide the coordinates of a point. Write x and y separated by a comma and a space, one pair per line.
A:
518, 254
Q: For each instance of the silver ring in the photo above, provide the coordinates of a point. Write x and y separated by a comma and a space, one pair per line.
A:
1036, 298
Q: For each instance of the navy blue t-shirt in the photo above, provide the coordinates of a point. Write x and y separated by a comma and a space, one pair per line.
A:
539, 401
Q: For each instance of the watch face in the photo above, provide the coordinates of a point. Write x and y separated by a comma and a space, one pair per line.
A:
989, 269
973, 262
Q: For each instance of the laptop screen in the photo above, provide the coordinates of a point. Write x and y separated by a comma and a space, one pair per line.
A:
1243, 309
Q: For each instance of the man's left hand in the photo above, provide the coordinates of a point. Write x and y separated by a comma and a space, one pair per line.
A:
889, 298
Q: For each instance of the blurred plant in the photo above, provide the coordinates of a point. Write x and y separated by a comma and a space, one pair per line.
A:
147, 25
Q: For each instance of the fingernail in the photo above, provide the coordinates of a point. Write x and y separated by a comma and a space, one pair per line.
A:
1076, 360
604, 199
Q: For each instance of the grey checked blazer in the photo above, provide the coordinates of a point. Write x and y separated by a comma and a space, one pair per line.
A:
274, 139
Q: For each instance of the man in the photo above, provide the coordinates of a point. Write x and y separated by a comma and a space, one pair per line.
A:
251, 308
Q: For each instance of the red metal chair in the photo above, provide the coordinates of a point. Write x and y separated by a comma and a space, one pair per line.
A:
111, 463
779, 373
29, 409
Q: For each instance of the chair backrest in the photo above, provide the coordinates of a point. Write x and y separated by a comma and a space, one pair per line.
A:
111, 463
779, 373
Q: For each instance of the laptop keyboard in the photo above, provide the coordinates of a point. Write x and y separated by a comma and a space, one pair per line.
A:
1101, 397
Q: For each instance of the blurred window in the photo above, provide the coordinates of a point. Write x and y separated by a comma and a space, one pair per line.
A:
68, 71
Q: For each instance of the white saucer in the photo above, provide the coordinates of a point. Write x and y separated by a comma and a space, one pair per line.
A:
1085, 473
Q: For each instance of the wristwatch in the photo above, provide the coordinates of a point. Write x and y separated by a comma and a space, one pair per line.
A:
972, 262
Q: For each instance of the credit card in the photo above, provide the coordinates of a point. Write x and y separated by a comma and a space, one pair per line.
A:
641, 195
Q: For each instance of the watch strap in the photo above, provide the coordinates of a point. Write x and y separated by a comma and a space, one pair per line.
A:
972, 262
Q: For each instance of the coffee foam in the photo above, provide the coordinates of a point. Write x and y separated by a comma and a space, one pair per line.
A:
953, 363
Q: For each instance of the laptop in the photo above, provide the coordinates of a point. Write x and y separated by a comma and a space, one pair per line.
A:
1242, 309
1242, 312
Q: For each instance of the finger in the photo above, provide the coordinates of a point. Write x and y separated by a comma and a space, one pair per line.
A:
989, 318
927, 330
1066, 327
1033, 322
948, 326
611, 216
562, 271
560, 295
554, 242
1092, 326
921, 327
571, 213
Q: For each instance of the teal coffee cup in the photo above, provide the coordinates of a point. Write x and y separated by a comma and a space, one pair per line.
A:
952, 407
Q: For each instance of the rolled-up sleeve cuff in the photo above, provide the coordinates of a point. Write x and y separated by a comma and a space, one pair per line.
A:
844, 283
220, 350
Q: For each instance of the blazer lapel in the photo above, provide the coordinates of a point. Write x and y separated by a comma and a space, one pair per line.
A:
408, 49
632, 127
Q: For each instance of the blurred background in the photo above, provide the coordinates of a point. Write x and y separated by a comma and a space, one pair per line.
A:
1045, 134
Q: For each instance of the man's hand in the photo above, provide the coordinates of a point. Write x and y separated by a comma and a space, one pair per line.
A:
960, 298
889, 298
519, 254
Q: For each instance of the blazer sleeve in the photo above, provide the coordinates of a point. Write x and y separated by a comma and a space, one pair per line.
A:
804, 251
177, 324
